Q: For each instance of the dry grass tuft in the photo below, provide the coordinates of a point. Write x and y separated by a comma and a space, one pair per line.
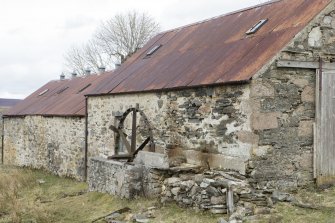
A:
12, 182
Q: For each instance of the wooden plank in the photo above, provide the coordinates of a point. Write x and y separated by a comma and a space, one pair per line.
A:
317, 126
315, 148
304, 64
325, 118
125, 141
325, 180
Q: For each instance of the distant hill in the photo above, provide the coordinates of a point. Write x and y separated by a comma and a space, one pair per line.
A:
8, 102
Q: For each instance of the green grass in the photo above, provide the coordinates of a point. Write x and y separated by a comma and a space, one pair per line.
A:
24, 199
64, 200
323, 211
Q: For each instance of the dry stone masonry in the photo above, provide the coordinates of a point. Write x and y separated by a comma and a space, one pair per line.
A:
200, 124
216, 191
123, 179
284, 98
252, 139
55, 144
225, 149
1, 133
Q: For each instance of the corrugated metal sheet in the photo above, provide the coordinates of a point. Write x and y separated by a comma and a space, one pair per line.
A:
215, 51
57, 101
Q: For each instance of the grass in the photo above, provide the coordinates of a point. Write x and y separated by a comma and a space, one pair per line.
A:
322, 211
23, 198
36, 196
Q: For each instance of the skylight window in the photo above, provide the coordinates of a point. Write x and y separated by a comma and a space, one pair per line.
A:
153, 50
256, 27
62, 90
84, 88
43, 92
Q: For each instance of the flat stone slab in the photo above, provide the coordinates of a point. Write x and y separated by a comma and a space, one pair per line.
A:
152, 160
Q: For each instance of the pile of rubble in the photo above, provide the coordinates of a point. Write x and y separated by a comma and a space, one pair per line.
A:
218, 192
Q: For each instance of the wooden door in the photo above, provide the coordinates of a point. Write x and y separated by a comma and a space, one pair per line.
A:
324, 144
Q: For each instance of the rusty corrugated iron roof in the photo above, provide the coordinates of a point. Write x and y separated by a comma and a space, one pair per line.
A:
214, 51
59, 97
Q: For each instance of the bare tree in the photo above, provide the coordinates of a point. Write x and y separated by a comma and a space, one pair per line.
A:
124, 34
114, 41
74, 60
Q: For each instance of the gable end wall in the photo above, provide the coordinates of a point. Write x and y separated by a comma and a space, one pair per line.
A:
285, 97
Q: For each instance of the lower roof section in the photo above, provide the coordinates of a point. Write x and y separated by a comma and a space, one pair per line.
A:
59, 97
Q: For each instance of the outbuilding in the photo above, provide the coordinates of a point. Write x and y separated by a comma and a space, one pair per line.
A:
249, 91
47, 129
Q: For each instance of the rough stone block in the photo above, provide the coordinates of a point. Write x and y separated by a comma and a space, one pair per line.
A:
261, 89
300, 82
262, 121
242, 150
280, 138
315, 38
279, 104
287, 90
327, 20
261, 150
247, 137
152, 160
305, 128
308, 95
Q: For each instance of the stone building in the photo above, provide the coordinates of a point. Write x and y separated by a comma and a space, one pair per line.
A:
248, 93
234, 92
5, 104
47, 129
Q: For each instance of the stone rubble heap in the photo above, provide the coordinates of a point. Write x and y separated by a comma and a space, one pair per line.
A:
216, 191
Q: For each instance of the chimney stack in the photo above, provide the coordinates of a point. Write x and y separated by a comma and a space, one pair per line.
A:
102, 69
73, 74
62, 76
87, 71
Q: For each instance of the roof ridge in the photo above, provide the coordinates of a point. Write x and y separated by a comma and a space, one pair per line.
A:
222, 15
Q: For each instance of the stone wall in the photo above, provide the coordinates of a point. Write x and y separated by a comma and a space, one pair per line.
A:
1, 127
56, 144
284, 110
263, 130
124, 179
282, 119
209, 126
215, 191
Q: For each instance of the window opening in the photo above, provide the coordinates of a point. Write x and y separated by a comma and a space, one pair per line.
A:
43, 92
256, 27
62, 90
84, 88
153, 50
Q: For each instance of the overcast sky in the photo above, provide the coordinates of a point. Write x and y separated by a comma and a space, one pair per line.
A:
35, 34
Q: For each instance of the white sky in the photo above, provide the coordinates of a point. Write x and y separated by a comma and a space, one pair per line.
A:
35, 34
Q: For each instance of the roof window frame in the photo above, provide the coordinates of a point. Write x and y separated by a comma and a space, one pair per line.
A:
257, 26
62, 90
43, 92
153, 50
84, 88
